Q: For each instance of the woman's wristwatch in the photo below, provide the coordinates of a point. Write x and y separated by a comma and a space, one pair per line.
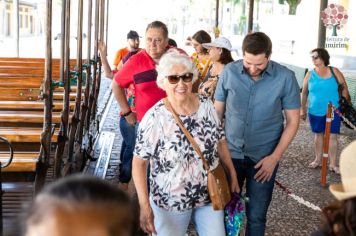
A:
127, 113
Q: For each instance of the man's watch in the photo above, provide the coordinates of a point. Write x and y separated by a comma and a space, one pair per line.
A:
127, 113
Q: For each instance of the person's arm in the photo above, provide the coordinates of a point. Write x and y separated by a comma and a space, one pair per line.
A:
267, 165
220, 108
139, 176
225, 157
120, 97
104, 60
304, 98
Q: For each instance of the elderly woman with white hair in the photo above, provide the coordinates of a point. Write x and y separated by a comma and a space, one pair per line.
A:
178, 181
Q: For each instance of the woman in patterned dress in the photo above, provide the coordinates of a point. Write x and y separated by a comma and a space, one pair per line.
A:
178, 182
201, 56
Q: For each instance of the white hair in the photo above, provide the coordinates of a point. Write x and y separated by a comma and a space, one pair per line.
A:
174, 57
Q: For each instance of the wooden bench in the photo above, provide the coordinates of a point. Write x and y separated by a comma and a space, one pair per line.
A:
22, 162
21, 111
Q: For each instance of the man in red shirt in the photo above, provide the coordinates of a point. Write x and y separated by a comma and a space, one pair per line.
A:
140, 70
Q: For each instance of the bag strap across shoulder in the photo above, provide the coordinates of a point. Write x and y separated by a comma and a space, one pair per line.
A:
333, 73
341, 86
187, 133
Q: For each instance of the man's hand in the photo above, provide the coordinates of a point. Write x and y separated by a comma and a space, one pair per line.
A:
146, 219
266, 167
102, 48
303, 114
234, 185
131, 118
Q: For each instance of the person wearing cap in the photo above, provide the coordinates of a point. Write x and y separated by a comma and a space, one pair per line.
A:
340, 217
220, 54
133, 40
260, 102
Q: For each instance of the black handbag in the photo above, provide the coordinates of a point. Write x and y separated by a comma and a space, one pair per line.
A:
345, 106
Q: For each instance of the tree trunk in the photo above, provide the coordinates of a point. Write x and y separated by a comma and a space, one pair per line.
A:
292, 9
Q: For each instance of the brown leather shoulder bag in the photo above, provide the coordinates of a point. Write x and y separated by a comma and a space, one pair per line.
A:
218, 187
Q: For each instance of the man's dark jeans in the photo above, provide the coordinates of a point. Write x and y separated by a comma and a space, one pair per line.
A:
259, 194
127, 147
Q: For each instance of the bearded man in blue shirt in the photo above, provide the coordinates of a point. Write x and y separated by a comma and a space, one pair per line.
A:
260, 102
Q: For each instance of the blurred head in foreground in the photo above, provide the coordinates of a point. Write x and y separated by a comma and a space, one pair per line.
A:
80, 205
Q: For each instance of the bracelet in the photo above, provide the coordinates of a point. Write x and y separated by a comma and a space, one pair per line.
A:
127, 113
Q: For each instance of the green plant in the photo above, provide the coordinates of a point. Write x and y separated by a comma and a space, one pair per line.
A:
293, 4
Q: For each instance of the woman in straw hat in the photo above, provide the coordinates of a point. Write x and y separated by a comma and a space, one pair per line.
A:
341, 216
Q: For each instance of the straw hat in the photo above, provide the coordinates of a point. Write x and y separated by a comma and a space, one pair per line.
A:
347, 189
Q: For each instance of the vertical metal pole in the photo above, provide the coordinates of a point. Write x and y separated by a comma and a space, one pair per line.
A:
46, 135
89, 69
322, 28
216, 27
250, 16
324, 168
75, 119
63, 131
48, 82
61, 76
97, 72
107, 23
16, 26
217, 13
91, 106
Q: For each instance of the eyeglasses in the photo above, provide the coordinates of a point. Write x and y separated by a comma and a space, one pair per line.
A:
314, 57
174, 79
155, 41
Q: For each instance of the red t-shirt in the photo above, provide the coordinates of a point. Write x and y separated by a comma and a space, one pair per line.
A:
140, 70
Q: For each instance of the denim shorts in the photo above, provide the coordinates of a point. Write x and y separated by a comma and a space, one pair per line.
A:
317, 123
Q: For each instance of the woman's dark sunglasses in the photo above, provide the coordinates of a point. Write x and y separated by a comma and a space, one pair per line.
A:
314, 57
174, 79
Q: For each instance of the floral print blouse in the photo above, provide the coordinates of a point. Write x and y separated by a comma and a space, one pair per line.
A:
178, 181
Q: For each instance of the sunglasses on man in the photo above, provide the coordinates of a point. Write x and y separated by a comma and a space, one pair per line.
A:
174, 79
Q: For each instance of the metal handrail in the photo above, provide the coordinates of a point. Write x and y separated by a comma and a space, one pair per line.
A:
11, 152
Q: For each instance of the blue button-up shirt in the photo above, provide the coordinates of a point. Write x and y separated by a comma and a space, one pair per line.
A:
254, 109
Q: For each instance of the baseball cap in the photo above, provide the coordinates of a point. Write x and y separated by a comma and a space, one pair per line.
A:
132, 35
220, 42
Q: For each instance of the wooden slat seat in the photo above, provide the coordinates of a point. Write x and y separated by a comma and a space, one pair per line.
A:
30, 94
31, 105
22, 63
30, 59
24, 134
22, 162
27, 70
18, 81
19, 94
60, 95
27, 117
